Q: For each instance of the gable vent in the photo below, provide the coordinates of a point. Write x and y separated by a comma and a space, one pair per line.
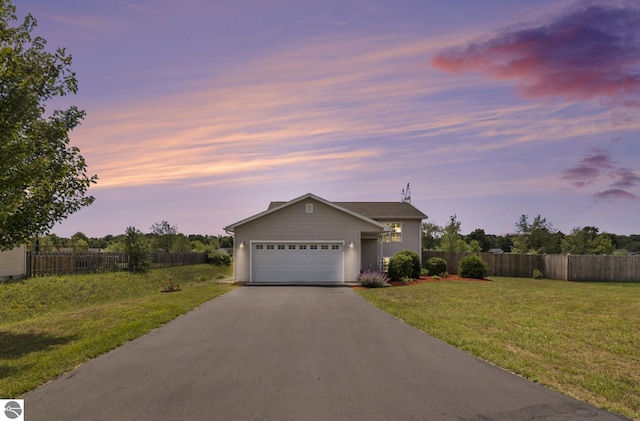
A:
309, 207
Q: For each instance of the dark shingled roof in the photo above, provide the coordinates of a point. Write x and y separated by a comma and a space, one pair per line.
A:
376, 210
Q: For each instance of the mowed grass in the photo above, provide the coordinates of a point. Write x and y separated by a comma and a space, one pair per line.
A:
582, 339
51, 325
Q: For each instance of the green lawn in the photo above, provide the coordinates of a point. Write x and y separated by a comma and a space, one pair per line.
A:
51, 325
582, 339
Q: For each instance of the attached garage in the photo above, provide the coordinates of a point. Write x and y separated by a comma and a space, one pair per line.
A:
311, 240
297, 262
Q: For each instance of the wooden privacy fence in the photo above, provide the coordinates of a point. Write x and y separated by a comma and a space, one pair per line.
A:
565, 267
62, 263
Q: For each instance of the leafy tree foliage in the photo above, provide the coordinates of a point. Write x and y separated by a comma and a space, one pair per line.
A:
431, 234
164, 235
42, 179
451, 239
536, 237
137, 245
587, 240
484, 242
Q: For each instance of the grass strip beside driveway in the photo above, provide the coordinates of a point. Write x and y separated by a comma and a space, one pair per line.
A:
49, 326
578, 338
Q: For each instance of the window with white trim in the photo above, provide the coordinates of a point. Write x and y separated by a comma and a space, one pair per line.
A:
303, 247
395, 233
292, 246
324, 247
313, 247
270, 247
259, 246
280, 246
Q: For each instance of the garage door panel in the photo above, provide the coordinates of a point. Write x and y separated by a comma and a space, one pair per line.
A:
296, 262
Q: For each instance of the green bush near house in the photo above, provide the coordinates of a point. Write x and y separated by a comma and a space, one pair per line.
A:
436, 266
472, 267
410, 270
400, 267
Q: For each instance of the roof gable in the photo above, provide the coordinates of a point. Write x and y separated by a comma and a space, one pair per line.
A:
276, 206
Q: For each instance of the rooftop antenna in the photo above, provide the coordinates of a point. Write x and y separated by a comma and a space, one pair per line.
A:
406, 195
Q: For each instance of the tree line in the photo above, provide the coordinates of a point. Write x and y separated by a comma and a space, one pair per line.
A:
535, 236
162, 236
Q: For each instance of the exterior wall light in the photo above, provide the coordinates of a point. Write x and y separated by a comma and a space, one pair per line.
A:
241, 244
351, 245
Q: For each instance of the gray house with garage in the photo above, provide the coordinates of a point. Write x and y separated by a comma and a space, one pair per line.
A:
312, 240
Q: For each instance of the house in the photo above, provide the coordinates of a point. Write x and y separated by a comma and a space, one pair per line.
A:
13, 263
312, 240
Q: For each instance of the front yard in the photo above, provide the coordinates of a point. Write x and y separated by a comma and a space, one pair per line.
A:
51, 325
581, 339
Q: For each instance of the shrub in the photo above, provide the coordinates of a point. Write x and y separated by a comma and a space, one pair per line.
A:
472, 267
415, 261
400, 266
219, 258
372, 279
436, 266
537, 274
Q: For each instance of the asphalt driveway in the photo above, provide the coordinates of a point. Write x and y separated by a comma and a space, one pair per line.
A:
294, 353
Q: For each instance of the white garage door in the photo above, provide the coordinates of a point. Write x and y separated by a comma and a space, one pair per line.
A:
297, 262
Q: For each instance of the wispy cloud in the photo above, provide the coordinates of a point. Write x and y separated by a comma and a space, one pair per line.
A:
615, 194
592, 52
328, 106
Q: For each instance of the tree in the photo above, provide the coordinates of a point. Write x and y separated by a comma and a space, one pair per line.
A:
451, 239
483, 240
42, 179
137, 246
431, 234
536, 237
587, 240
164, 234
181, 244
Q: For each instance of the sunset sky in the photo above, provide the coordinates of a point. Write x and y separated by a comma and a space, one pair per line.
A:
201, 112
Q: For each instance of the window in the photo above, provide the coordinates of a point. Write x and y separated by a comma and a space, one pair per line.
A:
303, 247
384, 264
324, 247
309, 207
270, 247
313, 247
395, 233
292, 246
259, 246
335, 247
280, 246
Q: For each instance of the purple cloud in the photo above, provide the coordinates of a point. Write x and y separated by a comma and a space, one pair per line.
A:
592, 52
589, 168
615, 194
625, 178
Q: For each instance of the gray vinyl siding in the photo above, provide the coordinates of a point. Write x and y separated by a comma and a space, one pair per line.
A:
411, 238
13, 263
293, 223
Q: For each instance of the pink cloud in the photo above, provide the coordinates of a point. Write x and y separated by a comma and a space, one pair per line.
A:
615, 194
589, 53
